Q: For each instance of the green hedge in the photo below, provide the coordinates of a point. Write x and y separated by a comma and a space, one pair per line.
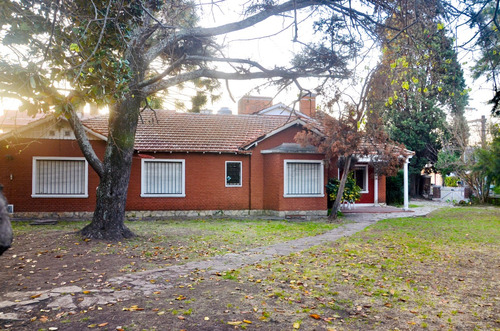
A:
394, 189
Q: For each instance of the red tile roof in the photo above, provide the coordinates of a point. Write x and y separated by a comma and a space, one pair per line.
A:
12, 119
187, 132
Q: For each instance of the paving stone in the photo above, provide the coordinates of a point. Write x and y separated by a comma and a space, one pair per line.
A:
27, 302
9, 317
6, 304
88, 301
67, 289
64, 302
126, 294
24, 295
104, 300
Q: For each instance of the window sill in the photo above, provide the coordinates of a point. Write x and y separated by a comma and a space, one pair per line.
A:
58, 196
163, 195
304, 196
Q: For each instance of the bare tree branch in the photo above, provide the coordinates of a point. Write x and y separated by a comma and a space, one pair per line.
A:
226, 28
164, 74
209, 73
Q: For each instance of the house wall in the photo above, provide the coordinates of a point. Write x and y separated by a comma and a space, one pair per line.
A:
262, 183
16, 163
268, 176
205, 184
274, 185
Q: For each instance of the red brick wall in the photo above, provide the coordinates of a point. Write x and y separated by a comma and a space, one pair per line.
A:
274, 188
258, 171
205, 184
273, 181
271, 166
16, 162
308, 105
251, 104
205, 179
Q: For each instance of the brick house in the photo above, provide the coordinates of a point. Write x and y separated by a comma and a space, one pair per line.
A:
184, 164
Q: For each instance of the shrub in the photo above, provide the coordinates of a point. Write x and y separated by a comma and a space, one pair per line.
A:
394, 189
451, 181
352, 192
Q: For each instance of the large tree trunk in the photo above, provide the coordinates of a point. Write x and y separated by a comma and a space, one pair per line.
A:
109, 214
5, 227
340, 193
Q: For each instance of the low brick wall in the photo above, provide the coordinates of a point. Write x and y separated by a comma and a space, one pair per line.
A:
138, 215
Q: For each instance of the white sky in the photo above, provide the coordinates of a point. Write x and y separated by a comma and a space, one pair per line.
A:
277, 50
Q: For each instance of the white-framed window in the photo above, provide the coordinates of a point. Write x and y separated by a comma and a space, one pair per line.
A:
163, 178
304, 178
360, 174
233, 174
60, 177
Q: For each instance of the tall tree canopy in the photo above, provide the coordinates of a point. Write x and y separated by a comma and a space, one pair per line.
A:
419, 81
486, 16
121, 52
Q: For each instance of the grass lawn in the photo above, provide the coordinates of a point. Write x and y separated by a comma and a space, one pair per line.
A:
441, 271
437, 272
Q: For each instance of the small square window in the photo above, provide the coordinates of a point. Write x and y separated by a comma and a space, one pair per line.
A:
233, 174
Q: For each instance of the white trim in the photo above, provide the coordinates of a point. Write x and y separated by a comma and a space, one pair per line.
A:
58, 158
285, 176
405, 184
44, 120
365, 180
375, 190
165, 195
241, 174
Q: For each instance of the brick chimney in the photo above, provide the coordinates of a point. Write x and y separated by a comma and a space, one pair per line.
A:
251, 104
308, 104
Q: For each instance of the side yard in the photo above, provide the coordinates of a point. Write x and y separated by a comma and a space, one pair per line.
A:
435, 272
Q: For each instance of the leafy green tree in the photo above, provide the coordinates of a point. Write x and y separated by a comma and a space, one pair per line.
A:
64, 54
488, 160
419, 82
478, 167
485, 16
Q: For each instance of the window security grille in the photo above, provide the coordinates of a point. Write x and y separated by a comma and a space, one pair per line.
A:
60, 177
304, 178
233, 173
162, 178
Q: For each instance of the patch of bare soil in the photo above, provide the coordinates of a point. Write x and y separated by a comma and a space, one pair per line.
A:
39, 262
